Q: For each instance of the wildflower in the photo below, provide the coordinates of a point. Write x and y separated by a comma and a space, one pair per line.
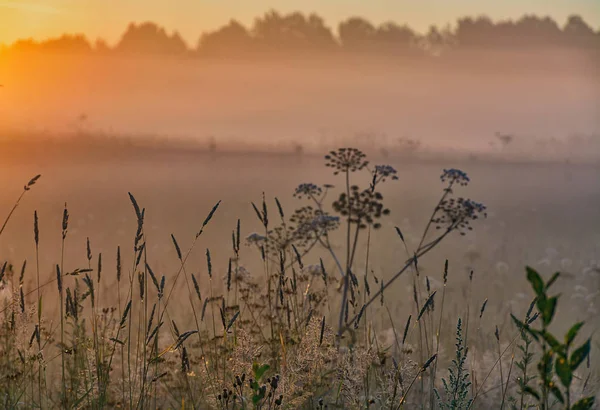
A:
385, 171
363, 207
255, 239
307, 189
454, 175
310, 223
346, 160
323, 221
458, 214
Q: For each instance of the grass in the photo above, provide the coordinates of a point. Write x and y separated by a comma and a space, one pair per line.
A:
299, 334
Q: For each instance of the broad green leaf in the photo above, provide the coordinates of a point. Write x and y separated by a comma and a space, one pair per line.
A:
572, 333
551, 340
547, 307
551, 306
584, 404
259, 371
563, 370
255, 399
259, 395
579, 355
536, 281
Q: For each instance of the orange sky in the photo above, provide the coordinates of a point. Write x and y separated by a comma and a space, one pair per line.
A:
108, 18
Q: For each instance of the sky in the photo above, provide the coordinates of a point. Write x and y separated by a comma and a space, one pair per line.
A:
108, 19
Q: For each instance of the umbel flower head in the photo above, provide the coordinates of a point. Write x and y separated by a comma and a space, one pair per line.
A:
364, 207
455, 176
382, 172
457, 213
346, 160
307, 190
308, 224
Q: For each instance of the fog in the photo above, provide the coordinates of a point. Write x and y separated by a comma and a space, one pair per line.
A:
459, 103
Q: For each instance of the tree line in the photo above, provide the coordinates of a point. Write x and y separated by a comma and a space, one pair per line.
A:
295, 33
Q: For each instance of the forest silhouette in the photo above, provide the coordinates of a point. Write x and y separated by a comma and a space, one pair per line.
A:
295, 33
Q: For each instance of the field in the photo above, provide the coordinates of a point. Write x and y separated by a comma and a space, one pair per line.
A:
186, 245
544, 215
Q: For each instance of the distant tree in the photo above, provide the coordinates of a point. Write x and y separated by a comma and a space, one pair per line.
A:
101, 46
534, 31
474, 32
66, 43
357, 34
530, 31
149, 38
231, 39
24, 45
394, 39
579, 33
292, 32
436, 41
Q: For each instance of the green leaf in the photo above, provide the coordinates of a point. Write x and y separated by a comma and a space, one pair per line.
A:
556, 391
545, 365
547, 308
563, 370
579, 355
536, 280
551, 340
519, 324
572, 333
256, 398
552, 280
584, 404
259, 371
531, 391
523, 327
260, 393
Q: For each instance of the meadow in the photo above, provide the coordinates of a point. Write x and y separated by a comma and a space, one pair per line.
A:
215, 280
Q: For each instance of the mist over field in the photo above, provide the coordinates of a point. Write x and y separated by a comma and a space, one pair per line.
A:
314, 103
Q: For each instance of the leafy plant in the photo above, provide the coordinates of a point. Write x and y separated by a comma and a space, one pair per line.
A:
456, 389
558, 360
524, 380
